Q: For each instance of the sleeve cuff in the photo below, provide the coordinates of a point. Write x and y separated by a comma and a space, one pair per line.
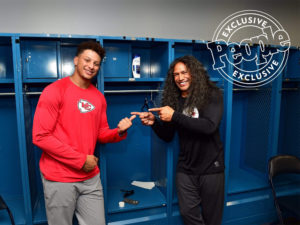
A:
175, 117
82, 162
121, 136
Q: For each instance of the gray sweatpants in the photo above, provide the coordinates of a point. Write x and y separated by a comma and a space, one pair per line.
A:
84, 198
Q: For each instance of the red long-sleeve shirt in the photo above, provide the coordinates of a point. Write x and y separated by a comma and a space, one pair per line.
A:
68, 121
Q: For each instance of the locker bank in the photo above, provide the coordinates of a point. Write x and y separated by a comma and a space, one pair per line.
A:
258, 123
37, 47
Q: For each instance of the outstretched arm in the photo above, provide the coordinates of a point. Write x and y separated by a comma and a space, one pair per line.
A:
124, 124
164, 130
207, 123
107, 135
147, 118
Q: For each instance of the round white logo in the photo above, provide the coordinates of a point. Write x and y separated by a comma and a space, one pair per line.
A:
84, 106
250, 48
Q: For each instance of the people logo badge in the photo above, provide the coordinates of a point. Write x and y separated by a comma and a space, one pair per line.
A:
84, 106
249, 48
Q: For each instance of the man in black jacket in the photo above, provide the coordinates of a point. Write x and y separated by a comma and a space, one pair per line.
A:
192, 105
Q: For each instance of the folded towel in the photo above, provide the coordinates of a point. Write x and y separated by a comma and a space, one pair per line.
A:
141, 184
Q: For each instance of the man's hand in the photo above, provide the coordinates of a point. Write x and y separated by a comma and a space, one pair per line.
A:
124, 124
165, 113
90, 163
147, 118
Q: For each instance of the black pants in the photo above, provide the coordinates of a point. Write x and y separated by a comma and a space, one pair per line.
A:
201, 198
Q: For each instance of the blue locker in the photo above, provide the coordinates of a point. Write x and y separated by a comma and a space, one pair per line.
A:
117, 61
293, 64
119, 55
11, 182
201, 52
138, 158
68, 52
39, 59
6, 62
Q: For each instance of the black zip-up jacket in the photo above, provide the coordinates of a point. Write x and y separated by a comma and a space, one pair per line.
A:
201, 149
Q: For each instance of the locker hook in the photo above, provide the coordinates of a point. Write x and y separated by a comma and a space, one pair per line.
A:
145, 107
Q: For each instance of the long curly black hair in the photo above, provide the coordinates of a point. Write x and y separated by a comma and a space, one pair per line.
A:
199, 92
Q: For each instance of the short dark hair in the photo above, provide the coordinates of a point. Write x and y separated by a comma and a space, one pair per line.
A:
91, 45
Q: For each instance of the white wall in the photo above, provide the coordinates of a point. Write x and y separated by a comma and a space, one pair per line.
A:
180, 19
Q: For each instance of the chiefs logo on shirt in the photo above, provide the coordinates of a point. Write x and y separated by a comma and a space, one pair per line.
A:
84, 106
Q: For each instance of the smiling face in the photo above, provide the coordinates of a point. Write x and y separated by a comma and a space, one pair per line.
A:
182, 78
87, 64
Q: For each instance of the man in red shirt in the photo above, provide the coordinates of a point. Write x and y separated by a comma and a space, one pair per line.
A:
70, 117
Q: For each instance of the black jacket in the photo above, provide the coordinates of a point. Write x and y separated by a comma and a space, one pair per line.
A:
201, 149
